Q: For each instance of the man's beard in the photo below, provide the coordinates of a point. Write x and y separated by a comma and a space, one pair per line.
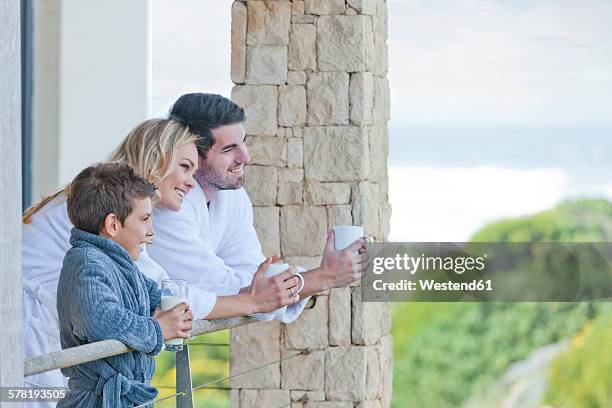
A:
209, 178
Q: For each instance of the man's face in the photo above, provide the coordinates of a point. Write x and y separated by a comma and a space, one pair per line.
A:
223, 167
136, 227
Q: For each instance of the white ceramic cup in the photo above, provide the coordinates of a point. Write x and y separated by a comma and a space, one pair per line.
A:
345, 235
274, 270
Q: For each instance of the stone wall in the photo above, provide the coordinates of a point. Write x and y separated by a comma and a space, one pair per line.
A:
312, 77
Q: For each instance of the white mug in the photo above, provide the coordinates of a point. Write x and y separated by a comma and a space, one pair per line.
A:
274, 270
345, 235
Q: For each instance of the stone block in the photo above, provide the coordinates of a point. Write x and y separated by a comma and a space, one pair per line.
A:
303, 47
310, 330
373, 375
351, 11
298, 132
386, 368
238, 55
345, 373
379, 152
297, 7
296, 78
268, 22
266, 65
234, 398
264, 398
364, 6
306, 262
291, 175
369, 404
361, 98
327, 193
253, 346
295, 153
340, 316
303, 372
381, 101
261, 182
267, 226
303, 19
267, 150
290, 193
338, 153
292, 105
380, 61
339, 215
261, 105
371, 320
303, 396
328, 98
366, 199
385, 218
344, 43
329, 404
321, 7
303, 230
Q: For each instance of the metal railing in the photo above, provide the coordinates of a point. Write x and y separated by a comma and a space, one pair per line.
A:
107, 348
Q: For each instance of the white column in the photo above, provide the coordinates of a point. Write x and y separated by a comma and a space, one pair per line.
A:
11, 355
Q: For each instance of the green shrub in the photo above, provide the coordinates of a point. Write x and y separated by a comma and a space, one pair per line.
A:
582, 376
445, 353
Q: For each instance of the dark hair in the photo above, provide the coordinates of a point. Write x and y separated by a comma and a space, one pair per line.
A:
203, 112
103, 189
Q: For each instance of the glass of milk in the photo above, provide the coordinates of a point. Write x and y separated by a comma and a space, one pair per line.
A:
173, 292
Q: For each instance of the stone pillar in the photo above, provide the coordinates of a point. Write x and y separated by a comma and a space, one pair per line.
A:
11, 344
312, 77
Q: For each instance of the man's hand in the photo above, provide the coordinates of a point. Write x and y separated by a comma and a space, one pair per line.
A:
340, 268
269, 294
176, 322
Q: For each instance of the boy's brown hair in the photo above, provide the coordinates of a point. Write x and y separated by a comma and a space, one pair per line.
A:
103, 189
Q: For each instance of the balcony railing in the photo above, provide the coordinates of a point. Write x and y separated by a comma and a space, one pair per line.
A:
107, 348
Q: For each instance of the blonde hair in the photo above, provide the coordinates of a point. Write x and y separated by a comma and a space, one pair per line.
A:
149, 149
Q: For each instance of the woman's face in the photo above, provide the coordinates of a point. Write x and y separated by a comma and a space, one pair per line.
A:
180, 181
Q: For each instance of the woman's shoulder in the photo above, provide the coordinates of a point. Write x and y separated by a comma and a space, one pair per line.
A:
54, 212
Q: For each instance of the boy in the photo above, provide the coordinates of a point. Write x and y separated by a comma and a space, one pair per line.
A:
102, 294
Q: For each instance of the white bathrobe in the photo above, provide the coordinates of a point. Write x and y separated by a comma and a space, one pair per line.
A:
45, 241
213, 247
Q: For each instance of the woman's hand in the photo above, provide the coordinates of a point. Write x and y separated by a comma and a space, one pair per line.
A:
269, 294
176, 322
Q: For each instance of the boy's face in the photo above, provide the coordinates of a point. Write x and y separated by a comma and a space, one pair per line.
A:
133, 233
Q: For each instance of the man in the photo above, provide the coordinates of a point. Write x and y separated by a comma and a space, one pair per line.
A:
211, 241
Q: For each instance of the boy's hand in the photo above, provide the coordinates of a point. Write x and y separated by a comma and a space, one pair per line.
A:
175, 322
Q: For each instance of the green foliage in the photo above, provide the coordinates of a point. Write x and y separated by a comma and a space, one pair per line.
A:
445, 352
570, 221
582, 376
461, 352
208, 363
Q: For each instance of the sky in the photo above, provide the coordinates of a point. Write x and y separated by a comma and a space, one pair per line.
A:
510, 96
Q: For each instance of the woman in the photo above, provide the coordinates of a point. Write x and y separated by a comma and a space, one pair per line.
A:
164, 152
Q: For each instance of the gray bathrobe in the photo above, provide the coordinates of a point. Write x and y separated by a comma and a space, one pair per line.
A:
102, 295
